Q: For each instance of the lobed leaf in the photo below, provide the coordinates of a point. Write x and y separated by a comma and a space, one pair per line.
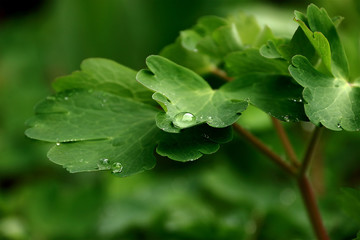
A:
276, 95
187, 98
329, 100
105, 75
321, 31
102, 130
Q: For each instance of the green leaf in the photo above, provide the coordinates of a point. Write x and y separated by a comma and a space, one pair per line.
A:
184, 52
105, 75
286, 49
276, 95
187, 98
265, 83
101, 120
101, 131
330, 101
96, 131
321, 31
250, 61
203, 47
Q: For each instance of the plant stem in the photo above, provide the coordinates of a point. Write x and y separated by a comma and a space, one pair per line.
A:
306, 190
285, 142
310, 151
265, 150
309, 199
221, 74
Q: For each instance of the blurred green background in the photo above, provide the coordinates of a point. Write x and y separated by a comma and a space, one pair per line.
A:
233, 194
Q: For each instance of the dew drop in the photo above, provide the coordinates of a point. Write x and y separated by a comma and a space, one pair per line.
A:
116, 168
104, 164
338, 125
205, 136
286, 118
57, 144
184, 120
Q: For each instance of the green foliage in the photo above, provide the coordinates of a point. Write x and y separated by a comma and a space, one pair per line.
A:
98, 128
330, 101
187, 98
101, 118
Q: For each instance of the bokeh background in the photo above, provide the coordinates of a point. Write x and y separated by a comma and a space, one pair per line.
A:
233, 194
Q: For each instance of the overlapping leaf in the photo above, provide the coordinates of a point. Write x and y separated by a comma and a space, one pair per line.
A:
187, 98
330, 99
100, 130
203, 47
265, 83
320, 29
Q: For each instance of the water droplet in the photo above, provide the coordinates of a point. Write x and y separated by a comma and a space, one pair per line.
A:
205, 136
300, 100
104, 164
338, 125
286, 118
116, 168
184, 120
57, 144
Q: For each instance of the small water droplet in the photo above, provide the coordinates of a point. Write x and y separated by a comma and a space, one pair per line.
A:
57, 144
286, 118
184, 120
338, 125
205, 136
116, 168
104, 164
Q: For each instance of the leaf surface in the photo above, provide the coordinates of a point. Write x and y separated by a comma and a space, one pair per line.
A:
187, 98
330, 101
276, 95
103, 130
321, 32
105, 75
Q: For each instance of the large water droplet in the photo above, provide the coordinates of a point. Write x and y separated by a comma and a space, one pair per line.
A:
116, 168
184, 120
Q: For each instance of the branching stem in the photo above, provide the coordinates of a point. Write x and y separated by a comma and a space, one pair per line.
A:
310, 151
285, 142
306, 190
265, 150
